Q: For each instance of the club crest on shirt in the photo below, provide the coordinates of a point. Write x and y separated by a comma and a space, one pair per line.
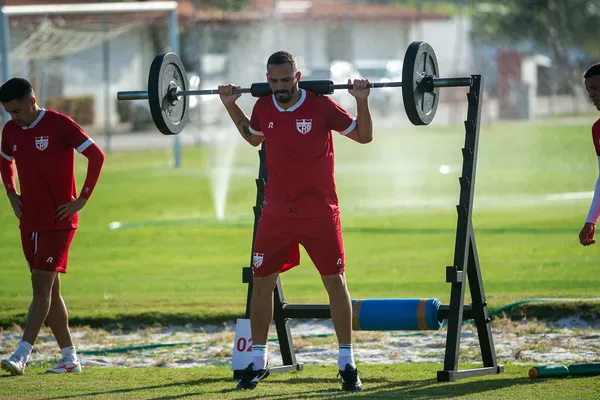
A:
41, 143
304, 125
257, 259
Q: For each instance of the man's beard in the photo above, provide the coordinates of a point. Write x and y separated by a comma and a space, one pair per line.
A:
284, 96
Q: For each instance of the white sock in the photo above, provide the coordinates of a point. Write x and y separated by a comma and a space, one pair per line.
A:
69, 353
345, 356
259, 356
24, 350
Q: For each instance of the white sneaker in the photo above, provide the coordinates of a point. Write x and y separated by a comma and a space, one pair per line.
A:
65, 367
15, 365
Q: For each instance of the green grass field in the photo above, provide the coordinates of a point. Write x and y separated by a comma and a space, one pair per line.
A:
317, 382
172, 261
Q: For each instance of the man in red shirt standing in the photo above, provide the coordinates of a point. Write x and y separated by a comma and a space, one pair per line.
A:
592, 85
41, 143
300, 202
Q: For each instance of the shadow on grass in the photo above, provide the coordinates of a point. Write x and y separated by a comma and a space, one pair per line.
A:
373, 389
427, 389
194, 382
273, 386
133, 321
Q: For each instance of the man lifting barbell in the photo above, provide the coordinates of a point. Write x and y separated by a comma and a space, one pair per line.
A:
300, 203
168, 88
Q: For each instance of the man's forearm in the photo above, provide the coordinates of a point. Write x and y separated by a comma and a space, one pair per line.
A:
364, 123
594, 211
96, 158
242, 122
8, 175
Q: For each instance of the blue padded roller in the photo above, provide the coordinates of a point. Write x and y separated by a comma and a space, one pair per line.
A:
396, 314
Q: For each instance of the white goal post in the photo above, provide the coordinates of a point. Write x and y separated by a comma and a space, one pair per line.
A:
29, 48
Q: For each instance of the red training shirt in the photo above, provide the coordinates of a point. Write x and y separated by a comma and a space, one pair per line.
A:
44, 157
300, 157
596, 136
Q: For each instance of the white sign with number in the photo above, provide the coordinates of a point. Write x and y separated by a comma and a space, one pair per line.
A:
242, 345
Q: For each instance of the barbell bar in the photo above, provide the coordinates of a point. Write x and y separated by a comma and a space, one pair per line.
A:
175, 93
168, 88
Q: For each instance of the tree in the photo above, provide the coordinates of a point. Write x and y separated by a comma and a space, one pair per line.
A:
560, 28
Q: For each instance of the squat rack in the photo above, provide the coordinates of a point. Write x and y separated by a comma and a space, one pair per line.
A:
465, 268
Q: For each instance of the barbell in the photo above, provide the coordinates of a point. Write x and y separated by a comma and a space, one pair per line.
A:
168, 88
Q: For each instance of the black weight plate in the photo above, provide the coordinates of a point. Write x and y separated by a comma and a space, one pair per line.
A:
166, 72
419, 61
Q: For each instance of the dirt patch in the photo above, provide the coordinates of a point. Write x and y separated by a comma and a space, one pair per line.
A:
566, 340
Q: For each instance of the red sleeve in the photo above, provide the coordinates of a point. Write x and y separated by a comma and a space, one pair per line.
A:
6, 164
95, 157
338, 119
255, 127
76, 137
596, 136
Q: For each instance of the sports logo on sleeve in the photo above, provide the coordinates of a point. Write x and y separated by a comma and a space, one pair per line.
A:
304, 125
257, 259
41, 143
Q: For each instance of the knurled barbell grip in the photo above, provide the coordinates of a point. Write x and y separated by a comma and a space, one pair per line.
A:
437, 82
371, 85
210, 91
143, 94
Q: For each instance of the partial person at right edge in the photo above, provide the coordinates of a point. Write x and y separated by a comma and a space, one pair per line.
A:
592, 85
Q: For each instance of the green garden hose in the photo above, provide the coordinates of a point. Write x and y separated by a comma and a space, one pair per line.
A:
540, 300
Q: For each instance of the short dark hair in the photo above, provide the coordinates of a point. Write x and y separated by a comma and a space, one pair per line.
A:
282, 57
594, 70
15, 89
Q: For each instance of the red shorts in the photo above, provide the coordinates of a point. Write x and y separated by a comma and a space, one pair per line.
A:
47, 251
276, 245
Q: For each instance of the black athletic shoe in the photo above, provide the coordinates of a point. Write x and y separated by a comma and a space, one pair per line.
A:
350, 380
250, 377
